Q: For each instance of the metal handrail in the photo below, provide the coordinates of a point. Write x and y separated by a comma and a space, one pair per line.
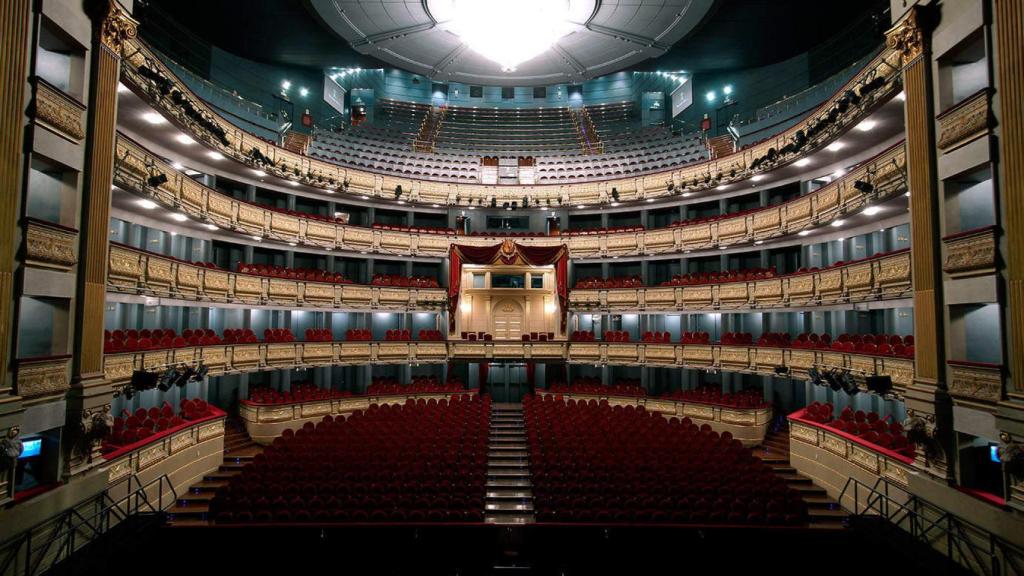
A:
74, 527
966, 543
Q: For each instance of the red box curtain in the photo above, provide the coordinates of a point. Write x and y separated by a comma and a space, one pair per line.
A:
508, 252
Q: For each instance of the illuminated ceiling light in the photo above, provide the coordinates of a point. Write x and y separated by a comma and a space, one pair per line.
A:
211, 226
285, 85
581, 206
758, 242
835, 146
147, 204
803, 233
177, 166
292, 244
722, 247
508, 32
257, 238
214, 155
902, 96
435, 205
293, 182
727, 90
259, 173
328, 190
838, 223
723, 187
153, 118
649, 200
365, 197
174, 233
185, 139
757, 177
303, 91
871, 210
179, 217
802, 162
866, 125
839, 173
401, 201
121, 88
710, 96
550, 308
686, 194
472, 207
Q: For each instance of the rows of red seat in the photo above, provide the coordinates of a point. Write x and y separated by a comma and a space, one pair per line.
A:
299, 392
398, 335
656, 338
840, 263
582, 336
414, 229
749, 398
130, 428
603, 230
133, 340
404, 281
715, 218
431, 335
277, 335
417, 385
591, 462
358, 335
736, 338
240, 336
695, 338
538, 336
304, 274
867, 426
873, 344
593, 385
617, 282
508, 234
617, 336
694, 278
298, 214
319, 335
422, 461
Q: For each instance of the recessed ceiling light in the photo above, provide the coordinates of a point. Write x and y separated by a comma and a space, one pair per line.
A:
147, 204
173, 233
871, 210
840, 239
835, 146
179, 217
902, 96
758, 242
293, 182
649, 200
211, 226
838, 223
866, 125
328, 190
802, 162
839, 173
722, 247
803, 233
615, 204
259, 173
185, 139
686, 194
757, 177
292, 244
581, 206
177, 166
435, 205
723, 187
401, 201
257, 238
365, 197
214, 155
472, 207
153, 118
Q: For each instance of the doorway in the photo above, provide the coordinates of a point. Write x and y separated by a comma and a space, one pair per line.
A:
508, 320
507, 382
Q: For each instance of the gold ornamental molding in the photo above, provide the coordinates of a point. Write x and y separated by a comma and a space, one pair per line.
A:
154, 81
49, 376
966, 122
116, 26
879, 278
133, 271
50, 245
57, 111
970, 253
885, 173
907, 37
975, 381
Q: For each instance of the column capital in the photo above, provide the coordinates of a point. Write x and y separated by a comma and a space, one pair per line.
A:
114, 24
909, 34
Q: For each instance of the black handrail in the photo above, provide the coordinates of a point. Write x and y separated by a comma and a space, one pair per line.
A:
40, 547
966, 543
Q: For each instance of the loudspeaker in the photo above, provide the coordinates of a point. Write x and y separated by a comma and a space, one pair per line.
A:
879, 384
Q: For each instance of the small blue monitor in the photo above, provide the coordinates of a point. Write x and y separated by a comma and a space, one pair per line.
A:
31, 447
993, 453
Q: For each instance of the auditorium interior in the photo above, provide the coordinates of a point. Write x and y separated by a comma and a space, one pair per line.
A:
512, 286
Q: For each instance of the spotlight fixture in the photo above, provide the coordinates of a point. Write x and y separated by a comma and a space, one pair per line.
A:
143, 380
879, 384
615, 194
865, 187
156, 180
398, 191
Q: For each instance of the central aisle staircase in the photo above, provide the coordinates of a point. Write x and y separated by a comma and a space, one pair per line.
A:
824, 512
509, 498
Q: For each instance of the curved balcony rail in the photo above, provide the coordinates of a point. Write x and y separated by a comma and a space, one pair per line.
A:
883, 277
43, 376
970, 253
135, 271
264, 422
235, 358
875, 84
748, 425
881, 177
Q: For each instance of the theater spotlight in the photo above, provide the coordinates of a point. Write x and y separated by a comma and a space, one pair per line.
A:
865, 187
157, 179
167, 379
782, 370
184, 377
814, 375
200, 373
880, 385
142, 380
833, 380
849, 384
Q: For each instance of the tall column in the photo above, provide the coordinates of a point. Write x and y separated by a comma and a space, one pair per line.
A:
15, 34
89, 398
927, 397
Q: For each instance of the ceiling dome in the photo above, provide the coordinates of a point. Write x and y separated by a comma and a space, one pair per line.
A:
512, 42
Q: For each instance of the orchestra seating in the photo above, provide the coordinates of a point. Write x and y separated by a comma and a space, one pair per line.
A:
305, 274
406, 463
867, 426
750, 398
130, 428
299, 392
591, 462
509, 131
